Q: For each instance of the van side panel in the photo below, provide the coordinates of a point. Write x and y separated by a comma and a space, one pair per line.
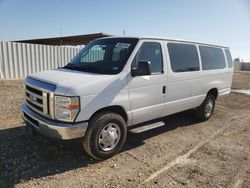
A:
184, 90
188, 90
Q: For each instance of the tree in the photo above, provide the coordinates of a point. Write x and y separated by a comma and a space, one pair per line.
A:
237, 60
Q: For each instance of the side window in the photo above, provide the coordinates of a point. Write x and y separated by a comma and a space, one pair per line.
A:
150, 51
229, 58
183, 57
212, 58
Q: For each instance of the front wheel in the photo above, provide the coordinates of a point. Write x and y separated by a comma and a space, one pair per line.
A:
105, 135
206, 109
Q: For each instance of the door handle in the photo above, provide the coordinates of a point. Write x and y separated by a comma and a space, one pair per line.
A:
163, 89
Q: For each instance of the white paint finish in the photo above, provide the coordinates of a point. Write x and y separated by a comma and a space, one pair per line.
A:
146, 99
75, 81
183, 104
109, 96
188, 89
111, 90
145, 92
141, 97
17, 60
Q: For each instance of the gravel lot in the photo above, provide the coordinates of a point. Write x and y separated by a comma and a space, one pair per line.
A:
241, 80
185, 153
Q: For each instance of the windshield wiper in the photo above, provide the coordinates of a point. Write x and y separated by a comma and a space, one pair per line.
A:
71, 66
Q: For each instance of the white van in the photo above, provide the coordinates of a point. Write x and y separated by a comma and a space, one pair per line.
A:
115, 83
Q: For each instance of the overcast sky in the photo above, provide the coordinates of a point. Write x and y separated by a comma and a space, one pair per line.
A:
223, 22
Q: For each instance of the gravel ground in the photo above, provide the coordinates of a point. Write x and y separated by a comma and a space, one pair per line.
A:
241, 80
185, 153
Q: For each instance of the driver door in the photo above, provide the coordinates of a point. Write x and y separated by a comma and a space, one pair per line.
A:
147, 94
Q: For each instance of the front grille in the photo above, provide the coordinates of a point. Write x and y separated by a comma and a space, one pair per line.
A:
36, 91
35, 106
37, 100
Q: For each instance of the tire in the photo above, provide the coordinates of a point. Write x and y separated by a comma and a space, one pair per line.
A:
206, 109
105, 128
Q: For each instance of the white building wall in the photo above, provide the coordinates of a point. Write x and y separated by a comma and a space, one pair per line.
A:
17, 60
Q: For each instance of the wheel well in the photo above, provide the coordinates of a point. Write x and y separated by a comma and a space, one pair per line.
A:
117, 109
214, 92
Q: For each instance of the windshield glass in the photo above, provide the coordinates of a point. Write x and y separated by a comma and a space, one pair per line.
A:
103, 56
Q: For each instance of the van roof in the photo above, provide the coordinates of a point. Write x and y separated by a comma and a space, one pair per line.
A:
169, 39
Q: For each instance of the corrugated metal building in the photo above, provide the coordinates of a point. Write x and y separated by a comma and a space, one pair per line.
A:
20, 58
68, 40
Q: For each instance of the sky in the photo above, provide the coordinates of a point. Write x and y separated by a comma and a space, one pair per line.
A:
222, 22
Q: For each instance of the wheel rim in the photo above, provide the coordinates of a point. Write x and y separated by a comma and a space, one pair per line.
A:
109, 137
209, 108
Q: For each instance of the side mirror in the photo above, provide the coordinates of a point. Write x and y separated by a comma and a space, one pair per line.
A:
143, 69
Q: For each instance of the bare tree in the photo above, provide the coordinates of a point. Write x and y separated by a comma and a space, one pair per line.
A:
237, 59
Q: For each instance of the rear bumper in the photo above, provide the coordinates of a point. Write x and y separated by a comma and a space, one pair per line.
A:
52, 129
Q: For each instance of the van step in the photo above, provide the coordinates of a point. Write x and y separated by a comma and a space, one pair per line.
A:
147, 127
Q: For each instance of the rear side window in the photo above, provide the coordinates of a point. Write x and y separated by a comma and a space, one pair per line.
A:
183, 57
212, 58
229, 58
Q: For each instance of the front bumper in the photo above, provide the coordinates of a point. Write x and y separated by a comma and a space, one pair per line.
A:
52, 129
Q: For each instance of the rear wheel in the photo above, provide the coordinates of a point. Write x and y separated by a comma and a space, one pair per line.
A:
105, 135
206, 109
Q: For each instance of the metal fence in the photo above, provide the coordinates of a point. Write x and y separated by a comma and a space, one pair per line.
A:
17, 60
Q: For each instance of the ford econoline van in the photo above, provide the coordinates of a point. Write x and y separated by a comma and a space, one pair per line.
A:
117, 84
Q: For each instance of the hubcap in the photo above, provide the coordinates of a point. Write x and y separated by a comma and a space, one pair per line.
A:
209, 108
109, 137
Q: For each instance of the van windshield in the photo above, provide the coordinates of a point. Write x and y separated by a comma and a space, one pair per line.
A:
103, 56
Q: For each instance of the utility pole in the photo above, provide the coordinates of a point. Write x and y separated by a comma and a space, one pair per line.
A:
123, 32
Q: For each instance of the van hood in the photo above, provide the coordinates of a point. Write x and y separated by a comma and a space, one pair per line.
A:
70, 82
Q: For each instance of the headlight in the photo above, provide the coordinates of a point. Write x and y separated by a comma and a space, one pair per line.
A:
66, 108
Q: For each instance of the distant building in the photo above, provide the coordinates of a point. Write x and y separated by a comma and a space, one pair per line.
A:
241, 66
64, 41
